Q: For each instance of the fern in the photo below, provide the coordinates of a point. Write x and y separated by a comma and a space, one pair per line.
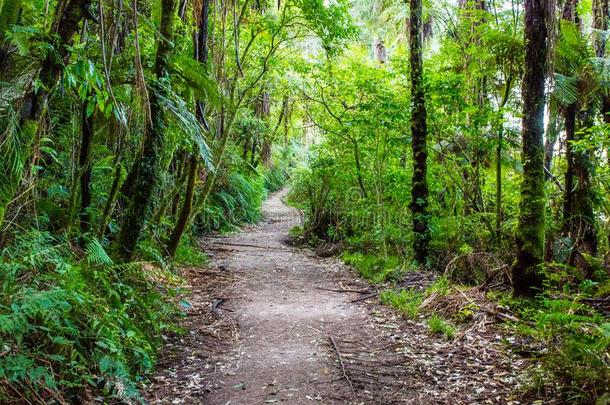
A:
96, 254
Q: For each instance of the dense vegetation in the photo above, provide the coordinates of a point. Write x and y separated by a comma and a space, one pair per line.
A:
471, 139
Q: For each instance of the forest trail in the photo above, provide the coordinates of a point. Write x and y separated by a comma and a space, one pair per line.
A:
265, 326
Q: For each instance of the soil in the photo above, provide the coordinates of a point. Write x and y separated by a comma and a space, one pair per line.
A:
268, 322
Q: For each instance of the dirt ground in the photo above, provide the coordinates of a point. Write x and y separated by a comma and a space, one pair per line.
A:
268, 322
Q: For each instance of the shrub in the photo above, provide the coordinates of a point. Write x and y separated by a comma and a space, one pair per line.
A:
68, 322
374, 268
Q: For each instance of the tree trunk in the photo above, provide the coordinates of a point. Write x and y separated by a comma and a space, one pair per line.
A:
147, 167
578, 216
185, 212
499, 211
527, 279
419, 133
84, 163
201, 54
552, 133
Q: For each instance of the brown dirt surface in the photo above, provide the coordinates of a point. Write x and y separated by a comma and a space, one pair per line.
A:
271, 323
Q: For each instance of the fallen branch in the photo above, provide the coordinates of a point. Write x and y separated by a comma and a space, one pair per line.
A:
345, 290
365, 297
332, 341
208, 246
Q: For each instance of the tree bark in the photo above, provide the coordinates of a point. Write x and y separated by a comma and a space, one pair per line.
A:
185, 212
527, 279
84, 163
552, 132
578, 216
419, 133
147, 167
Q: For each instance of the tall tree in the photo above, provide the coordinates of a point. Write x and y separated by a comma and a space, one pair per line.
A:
201, 55
146, 168
530, 234
419, 134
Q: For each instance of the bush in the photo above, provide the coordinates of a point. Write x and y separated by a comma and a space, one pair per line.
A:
577, 342
70, 322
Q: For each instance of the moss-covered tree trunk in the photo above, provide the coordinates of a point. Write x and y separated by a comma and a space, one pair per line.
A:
84, 163
146, 175
530, 234
187, 206
419, 133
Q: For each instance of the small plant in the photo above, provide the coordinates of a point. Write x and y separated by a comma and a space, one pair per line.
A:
406, 301
438, 326
188, 254
440, 286
374, 268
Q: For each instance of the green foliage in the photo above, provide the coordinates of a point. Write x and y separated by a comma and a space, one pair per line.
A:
189, 254
577, 341
237, 200
68, 323
439, 326
406, 301
373, 268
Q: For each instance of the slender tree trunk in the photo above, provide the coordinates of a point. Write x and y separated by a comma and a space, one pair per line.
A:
185, 212
552, 133
570, 128
578, 217
527, 279
419, 133
499, 212
201, 54
147, 168
359, 169
84, 163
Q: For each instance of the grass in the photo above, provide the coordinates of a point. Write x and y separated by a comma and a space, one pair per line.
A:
406, 301
374, 268
438, 326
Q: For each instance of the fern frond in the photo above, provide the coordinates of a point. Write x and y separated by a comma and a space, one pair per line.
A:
96, 254
186, 120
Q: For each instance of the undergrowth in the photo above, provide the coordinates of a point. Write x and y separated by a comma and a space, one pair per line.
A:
75, 321
374, 268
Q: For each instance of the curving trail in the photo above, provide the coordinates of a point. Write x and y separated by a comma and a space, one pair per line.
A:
265, 327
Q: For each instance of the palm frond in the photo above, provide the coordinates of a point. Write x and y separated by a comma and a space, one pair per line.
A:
195, 77
186, 120
566, 89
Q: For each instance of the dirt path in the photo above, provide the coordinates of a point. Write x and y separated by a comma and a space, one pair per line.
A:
265, 327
